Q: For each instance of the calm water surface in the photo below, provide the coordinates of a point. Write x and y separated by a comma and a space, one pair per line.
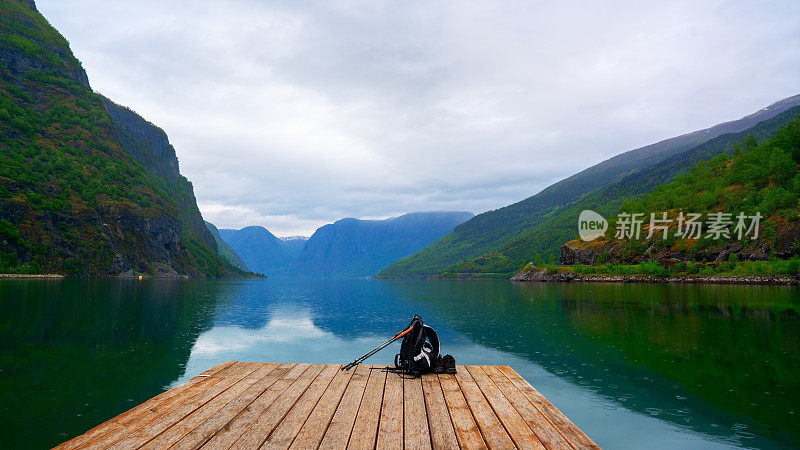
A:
634, 366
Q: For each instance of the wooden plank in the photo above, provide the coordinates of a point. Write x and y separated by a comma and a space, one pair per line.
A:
263, 427
443, 435
227, 435
313, 430
156, 427
180, 429
136, 412
415, 418
547, 434
249, 405
286, 431
338, 433
365, 430
216, 369
155, 412
572, 433
206, 430
390, 429
467, 432
491, 429
514, 423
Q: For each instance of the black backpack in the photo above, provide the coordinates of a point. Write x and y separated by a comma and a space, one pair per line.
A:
419, 350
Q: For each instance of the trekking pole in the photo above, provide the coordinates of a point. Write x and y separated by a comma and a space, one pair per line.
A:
358, 361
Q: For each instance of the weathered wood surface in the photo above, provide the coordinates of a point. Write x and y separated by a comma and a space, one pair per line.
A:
267, 405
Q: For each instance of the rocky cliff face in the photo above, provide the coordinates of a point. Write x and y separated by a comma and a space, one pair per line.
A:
87, 188
149, 245
22, 22
149, 145
144, 141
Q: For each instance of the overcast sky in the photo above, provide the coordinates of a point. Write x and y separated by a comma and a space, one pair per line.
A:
293, 114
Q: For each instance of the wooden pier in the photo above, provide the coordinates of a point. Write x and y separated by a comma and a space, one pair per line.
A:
307, 406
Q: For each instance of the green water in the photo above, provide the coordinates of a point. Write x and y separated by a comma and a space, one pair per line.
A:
634, 366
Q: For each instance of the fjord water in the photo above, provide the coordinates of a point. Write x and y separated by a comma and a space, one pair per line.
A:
634, 366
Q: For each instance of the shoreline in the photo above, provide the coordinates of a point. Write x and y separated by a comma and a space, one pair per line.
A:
52, 276
55, 276
541, 275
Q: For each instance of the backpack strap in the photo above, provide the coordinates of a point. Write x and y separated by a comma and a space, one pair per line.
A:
416, 338
427, 351
423, 355
411, 344
430, 333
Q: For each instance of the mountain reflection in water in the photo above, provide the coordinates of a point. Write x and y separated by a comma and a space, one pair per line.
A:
660, 366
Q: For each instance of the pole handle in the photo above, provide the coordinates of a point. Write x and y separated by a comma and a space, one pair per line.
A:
403, 333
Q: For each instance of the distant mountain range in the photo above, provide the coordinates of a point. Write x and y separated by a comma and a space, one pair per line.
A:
260, 250
294, 238
225, 250
352, 247
503, 240
344, 249
293, 245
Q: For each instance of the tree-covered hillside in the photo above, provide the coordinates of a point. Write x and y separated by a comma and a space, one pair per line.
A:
476, 244
758, 178
87, 188
753, 197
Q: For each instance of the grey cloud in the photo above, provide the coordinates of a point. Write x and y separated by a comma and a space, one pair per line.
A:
293, 114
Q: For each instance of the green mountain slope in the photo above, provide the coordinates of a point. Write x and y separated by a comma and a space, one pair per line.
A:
87, 188
759, 179
494, 230
225, 250
560, 224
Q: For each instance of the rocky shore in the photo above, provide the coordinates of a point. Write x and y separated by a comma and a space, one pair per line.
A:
534, 274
